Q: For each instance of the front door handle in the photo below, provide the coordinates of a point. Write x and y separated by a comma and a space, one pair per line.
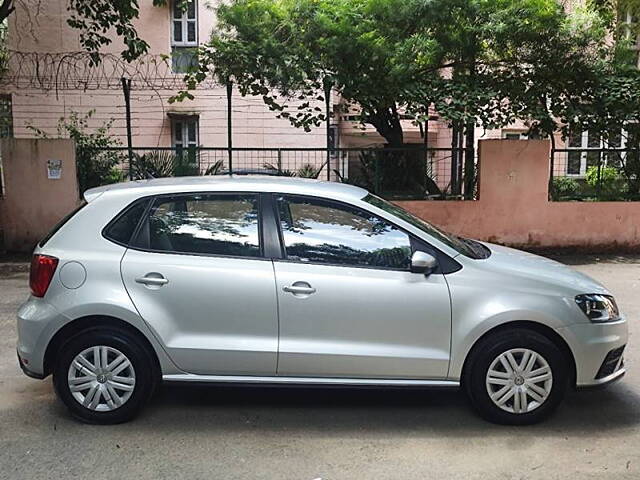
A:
150, 279
300, 288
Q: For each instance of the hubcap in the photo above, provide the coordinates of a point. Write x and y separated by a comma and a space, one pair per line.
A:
519, 380
101, 378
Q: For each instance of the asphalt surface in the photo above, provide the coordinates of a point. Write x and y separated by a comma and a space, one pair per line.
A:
308, 434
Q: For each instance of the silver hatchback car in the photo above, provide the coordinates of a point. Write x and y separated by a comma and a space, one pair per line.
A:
287, 281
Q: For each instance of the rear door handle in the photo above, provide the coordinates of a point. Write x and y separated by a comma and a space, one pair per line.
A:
300, 288
156, 280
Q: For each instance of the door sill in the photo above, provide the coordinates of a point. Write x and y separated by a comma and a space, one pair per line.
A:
190, 378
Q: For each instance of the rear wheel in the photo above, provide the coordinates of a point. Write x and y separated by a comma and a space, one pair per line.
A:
104, 376
516, 377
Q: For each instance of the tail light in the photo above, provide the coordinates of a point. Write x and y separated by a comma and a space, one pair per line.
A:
42, 269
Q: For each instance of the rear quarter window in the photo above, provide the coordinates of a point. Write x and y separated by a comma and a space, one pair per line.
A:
123, 226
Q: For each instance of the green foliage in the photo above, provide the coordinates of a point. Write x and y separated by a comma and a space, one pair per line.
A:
485, 62
167, 163
564, 188
305, 171
96, 165
154, 164
308, 171
215, 168
606, 182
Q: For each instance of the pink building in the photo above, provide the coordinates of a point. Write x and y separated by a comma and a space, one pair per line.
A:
40, 103
50, 79
40, 93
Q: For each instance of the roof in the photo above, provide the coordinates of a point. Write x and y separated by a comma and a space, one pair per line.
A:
230, 183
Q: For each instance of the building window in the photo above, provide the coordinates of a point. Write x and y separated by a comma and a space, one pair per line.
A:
184, 35
631, 33
579, 161
185, 132
514, 135
6, 116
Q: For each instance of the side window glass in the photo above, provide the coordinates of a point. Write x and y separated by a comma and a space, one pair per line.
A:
206, 224
323, 232
123, 227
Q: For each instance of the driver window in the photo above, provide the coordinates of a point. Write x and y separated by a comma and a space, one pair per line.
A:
317, 231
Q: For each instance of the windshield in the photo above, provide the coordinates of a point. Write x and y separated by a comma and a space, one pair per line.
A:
465, 246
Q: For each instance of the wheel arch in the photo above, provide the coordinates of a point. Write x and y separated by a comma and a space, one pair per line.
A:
90, 322
540, 328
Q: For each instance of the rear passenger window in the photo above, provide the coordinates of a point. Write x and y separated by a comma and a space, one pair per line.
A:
209, 224
122, 228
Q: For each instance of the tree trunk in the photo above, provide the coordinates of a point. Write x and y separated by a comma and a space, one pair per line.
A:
457, 141
469, 162
400, 170
386, 121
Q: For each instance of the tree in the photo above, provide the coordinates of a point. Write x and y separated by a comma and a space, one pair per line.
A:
473, 59
97, 20
479, 62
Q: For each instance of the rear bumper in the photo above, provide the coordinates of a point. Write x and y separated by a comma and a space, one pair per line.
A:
27, 372
36, 324
590, 344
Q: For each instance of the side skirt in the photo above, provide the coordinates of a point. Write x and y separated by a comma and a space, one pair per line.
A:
189, 378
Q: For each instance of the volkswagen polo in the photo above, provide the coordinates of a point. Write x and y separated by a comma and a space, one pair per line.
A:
285, 281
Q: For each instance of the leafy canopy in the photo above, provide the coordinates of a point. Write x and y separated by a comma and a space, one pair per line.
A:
483, 61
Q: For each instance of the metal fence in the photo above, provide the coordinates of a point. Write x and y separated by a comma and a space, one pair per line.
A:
595, 174
395, 173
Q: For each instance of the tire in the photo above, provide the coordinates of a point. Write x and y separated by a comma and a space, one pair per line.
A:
520, 397
121, 388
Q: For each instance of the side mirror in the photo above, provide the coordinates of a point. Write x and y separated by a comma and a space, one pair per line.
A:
422, 262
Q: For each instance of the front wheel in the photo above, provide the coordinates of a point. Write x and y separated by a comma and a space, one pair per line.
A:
104, 376
516, 377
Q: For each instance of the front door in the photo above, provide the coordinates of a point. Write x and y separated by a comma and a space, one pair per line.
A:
198, 278
349, 306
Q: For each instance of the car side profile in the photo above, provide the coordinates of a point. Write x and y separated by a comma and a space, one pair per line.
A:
287, 281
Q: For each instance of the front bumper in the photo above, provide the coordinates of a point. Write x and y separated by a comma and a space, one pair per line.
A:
605, 381
591, 343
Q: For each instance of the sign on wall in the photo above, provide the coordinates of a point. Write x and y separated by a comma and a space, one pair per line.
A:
54, 169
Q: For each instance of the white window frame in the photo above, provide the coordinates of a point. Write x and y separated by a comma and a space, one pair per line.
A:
584, 143
184, 21
181, 124
628, 22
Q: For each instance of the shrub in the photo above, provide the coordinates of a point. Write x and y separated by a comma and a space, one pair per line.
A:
564, 188
608, 184
96, 165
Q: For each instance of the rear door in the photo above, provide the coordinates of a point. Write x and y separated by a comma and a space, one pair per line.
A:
198, 276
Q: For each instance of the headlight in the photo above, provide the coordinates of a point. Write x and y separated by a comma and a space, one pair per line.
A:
598, 308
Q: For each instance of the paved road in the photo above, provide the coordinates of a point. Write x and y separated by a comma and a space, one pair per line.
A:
229, 433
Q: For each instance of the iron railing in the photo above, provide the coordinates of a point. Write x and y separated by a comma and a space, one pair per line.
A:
396, 173
595, 174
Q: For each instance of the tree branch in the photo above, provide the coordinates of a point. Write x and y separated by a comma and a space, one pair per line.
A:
6, 9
